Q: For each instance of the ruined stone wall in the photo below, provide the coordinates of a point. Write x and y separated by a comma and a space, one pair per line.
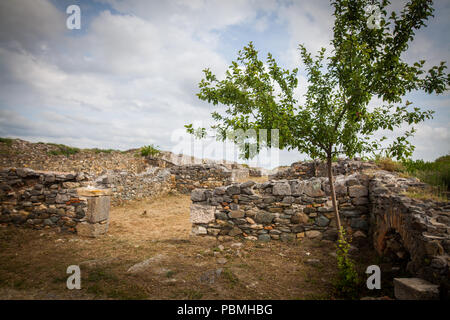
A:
373, 207
38, 199
127, 185
188, 177
307, 169
423, 227
280, 210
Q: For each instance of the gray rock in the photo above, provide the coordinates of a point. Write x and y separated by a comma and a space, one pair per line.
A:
247, 184
264, 238
198, 195
313, 188
264, 217
322, 221
281, 189
287, 237
233, 189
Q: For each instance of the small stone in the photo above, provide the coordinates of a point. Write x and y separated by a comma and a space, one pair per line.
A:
235, 214
313, 262
222, 261
264, 238
313, 234
250, 220
234, 232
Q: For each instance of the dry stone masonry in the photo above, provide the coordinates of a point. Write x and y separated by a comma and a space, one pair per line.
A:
38, 199
280, 210
415, 229
411, 230
189, 177
127, 185
307, 169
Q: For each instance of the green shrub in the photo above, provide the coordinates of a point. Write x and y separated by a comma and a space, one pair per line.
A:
149, 150
436, 173
347, 282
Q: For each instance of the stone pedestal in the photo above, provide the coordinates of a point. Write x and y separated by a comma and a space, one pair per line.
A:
97, 214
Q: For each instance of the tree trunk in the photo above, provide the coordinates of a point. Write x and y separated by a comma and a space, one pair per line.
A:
333, 196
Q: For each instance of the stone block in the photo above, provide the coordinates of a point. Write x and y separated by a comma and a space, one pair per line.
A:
264, 217
202, 213
92, 229
97, 209
313, 188
358, 191
415, 289
281, 189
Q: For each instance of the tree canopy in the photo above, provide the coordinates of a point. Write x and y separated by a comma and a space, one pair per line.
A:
335, 118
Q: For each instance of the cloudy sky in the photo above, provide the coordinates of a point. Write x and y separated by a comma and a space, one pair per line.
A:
129, 76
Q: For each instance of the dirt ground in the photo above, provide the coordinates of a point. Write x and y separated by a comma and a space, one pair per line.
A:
33, 263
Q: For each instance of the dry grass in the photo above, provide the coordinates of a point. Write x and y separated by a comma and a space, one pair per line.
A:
389, 165
33, 263
428, 193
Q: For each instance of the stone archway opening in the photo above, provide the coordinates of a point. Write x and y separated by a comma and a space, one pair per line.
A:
394, 251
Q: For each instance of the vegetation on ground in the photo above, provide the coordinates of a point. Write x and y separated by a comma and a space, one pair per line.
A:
150, 150
62, 149
7, 141
347, 280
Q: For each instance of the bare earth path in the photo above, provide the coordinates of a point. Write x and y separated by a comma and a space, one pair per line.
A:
33, 263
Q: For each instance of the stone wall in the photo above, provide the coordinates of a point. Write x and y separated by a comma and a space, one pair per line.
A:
188, 177
126, 185
374, 207
38, 199
307, 169
422, 227
280, 210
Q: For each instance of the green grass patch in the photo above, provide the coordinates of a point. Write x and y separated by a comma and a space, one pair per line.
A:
97, 150
62, 149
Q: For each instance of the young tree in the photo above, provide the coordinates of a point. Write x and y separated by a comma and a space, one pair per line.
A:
365, 62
